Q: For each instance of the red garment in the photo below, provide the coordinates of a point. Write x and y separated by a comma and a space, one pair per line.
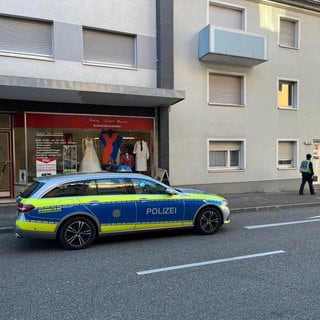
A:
127, 160
108, 149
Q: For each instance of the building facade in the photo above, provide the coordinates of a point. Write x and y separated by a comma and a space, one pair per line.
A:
73, 72
223, 93
250, 70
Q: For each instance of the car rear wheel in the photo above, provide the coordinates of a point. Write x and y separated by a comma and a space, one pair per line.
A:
208, 221
77, 233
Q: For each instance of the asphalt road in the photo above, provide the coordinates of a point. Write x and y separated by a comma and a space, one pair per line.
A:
264, 265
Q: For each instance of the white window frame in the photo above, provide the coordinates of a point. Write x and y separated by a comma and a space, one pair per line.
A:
295, 152
242, 77
294, 93
109, 63
228, 167
296, 32
231, 7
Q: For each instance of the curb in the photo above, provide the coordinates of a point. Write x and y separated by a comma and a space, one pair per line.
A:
6, 230
276, 206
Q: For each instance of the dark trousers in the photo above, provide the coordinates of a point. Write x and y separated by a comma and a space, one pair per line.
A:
306, 177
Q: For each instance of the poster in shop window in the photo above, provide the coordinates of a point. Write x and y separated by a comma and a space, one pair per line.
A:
46, 166
70, 158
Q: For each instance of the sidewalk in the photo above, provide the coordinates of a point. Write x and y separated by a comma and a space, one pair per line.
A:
237, 202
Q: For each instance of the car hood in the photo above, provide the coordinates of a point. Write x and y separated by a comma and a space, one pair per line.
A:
195, 191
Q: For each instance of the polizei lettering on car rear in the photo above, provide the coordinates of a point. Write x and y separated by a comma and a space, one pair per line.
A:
165, 210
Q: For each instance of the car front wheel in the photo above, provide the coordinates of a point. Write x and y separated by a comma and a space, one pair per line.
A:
208, 221
77, 233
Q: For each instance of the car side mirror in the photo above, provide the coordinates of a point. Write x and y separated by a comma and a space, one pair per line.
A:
171, 191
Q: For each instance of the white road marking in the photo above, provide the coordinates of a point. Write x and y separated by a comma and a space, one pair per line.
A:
259, 226
315, 217
204, 263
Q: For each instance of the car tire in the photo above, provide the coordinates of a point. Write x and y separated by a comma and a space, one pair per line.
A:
77, 233
208, 221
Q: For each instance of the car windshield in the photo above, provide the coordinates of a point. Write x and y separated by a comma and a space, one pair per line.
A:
36, 185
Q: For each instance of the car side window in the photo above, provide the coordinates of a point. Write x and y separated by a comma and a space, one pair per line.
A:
142, 186
66, 190
113, 186
89, 188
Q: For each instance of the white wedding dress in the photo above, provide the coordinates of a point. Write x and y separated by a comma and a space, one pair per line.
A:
90, 161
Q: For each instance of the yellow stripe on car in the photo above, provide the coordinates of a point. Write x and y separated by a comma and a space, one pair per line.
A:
36, 226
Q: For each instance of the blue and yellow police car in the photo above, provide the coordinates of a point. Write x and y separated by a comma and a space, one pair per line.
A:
78, 208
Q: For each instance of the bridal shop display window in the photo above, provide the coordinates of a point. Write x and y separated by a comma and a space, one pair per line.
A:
51, 143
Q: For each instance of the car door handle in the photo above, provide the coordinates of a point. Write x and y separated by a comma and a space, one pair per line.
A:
143, 199
94, 203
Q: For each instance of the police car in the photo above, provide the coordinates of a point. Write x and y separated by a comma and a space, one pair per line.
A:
78, 208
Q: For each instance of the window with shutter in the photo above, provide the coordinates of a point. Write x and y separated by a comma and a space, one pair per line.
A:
287, 151
25, 37
108, 48
225, 16
225, 89
289, 33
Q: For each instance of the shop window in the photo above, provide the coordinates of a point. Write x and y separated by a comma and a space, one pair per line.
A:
227, 154
289, 33
24, 37
108, 48
226, 89
226, 16
288, 94
48, 144
287, 154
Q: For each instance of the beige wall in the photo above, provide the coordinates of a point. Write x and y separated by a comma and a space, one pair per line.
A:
260, 123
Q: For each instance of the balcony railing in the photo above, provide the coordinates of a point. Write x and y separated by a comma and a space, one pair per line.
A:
231, 47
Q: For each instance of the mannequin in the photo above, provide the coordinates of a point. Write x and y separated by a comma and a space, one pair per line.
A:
90, 161
141, 151
127, 159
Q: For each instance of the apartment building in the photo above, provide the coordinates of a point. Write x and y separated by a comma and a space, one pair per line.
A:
73, 70
223, 93
250, 69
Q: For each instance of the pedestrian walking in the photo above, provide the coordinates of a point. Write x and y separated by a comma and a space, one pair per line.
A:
306, 170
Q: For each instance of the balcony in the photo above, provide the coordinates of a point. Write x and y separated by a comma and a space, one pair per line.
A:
231, 47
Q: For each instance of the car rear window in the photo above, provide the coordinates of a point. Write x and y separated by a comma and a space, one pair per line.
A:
35, 186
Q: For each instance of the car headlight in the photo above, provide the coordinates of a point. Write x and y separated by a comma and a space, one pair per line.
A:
224, 202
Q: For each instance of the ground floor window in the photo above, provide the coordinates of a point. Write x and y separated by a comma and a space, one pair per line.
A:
224, 154
287, 154
47, 143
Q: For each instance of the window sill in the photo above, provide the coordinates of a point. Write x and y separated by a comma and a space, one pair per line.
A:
288, 47
225, 170
226, 105
288, 108
27, 56
287, 168
108, 65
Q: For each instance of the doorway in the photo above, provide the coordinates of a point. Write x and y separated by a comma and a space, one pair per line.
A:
5, 166
316, 161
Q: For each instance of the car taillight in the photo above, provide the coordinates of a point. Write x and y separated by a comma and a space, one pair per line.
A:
24, 207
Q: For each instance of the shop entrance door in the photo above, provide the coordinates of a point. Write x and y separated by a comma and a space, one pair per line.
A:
316, 161
5, 161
